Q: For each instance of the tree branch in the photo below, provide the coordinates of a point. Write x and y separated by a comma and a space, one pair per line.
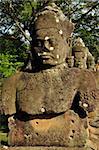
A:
18, 23
9, 37
20, 28
85, 14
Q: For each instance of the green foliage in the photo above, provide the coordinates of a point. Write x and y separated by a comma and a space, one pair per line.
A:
3, 130
3, 138
8, 64
26, 12
85, 15
12, 56
90, 41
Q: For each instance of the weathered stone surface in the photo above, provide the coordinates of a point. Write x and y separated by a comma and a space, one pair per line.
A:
52, 17
53, 105
82, 57
63, 130
96, 77
70, 61
53, 89
63, 89
44, 148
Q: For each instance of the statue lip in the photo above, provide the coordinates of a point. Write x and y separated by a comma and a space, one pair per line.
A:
45, 55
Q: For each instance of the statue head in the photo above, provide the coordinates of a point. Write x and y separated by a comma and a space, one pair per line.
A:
79, 42
50, 34
80, 53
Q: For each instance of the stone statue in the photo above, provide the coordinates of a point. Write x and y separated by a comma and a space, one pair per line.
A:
82, 57
70, 61
54, 106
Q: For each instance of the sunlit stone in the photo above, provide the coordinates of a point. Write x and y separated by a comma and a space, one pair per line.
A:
44, 53
46, 38
57, 20
57, 56
5, 147
42, 109
60, 32
44, 60
39, 54
51, 48
85, 105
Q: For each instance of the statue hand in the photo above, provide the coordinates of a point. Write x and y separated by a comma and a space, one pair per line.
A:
11, 122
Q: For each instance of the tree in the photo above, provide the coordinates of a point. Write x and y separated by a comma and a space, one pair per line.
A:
85, 15
13, 39
17, 18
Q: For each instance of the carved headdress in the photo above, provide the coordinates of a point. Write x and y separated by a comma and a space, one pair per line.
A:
51, 31
51, 17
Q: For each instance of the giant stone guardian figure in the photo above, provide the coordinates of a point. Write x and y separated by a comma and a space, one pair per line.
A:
53, 105
82, 57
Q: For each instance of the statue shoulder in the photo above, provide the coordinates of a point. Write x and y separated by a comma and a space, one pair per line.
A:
8, 94
12, 80
96, 76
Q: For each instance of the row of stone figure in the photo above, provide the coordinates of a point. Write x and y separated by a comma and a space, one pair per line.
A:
80, 57
53, 105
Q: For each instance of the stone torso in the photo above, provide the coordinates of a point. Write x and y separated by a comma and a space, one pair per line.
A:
46, 107
53, 105
45, 116
51, 90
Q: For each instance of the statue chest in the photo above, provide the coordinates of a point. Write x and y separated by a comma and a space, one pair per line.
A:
48, 92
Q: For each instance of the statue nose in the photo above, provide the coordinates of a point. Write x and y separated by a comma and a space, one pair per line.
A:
48, 46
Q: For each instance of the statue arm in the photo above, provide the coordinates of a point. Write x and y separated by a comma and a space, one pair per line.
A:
90, 103
93, 119
8, 97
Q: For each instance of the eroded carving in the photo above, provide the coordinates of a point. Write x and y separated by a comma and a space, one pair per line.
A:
54, 105
82, 57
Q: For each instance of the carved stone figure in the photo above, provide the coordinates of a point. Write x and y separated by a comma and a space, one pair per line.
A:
54, 105
70, 61
82, 57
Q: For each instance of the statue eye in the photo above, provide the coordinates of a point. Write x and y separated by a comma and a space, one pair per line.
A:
51, 42
39, 43
48, 43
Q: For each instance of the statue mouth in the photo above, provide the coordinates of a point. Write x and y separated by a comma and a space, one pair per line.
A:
45, 55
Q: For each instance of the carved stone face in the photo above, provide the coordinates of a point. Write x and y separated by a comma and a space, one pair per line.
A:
80, 59
50, 46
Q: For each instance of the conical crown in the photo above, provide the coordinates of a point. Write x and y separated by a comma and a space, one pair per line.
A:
50, 17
